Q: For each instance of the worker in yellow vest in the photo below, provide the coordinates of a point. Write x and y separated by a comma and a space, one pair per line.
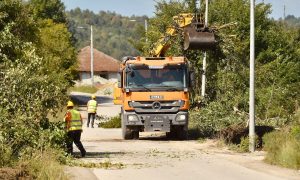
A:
92, 111
73, 122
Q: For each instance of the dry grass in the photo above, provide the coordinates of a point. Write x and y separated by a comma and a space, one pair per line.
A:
283, 148
103, 165
44, 165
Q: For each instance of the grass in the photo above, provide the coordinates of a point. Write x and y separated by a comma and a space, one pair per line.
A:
43, 165
243, 146
84, 89
113, 122
283, 147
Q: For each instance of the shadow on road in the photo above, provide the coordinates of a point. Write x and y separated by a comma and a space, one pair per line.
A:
81, 100
163, 138
99, 154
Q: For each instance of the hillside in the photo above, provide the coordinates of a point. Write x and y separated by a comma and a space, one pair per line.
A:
112, 32
293, 21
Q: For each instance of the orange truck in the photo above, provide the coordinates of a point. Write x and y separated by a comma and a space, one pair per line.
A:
154, 93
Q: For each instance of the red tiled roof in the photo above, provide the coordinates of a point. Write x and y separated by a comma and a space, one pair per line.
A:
102, 62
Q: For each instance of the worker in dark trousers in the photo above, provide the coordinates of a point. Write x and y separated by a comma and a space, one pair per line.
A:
92, 111
73, 122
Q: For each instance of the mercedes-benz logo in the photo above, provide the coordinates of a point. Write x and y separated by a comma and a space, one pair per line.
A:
156, 105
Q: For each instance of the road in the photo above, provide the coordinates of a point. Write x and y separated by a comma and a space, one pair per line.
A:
155, 157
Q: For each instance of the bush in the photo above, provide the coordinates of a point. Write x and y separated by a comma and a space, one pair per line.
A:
44, 164
6, 155
283, 147
113, 122
211, 119
243, 146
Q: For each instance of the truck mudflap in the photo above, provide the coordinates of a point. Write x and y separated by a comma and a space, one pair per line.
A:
156, 122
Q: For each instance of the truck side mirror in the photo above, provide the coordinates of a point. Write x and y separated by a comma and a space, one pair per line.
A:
120, 79
192, 80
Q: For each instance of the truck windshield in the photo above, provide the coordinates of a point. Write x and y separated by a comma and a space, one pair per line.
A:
168, 78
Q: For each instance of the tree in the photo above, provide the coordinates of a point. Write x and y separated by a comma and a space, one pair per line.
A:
277, 60
36, 58
49, 9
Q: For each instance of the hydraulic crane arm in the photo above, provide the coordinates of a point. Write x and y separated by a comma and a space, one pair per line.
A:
196, 35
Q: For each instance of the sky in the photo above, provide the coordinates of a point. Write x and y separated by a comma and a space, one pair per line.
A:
147, 7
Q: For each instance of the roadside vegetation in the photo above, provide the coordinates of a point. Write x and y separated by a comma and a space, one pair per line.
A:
37, 65
283, 146
113, 122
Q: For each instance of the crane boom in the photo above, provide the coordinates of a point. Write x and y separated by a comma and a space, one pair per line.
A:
196, 35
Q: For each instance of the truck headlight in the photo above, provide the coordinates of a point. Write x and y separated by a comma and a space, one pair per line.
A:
132, 118
181, 103
181, 117
130, 103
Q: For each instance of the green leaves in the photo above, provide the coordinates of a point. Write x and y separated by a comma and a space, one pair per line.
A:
37, 62
277, 50
49, 9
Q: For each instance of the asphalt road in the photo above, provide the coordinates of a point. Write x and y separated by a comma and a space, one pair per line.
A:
153, 157
81, 99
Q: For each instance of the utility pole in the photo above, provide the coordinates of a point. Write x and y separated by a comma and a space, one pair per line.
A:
205, 55
92, 57
145, 26
146, 29
252, 80
284, 11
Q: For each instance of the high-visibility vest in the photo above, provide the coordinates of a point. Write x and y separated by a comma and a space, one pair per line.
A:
92, 106
75, 123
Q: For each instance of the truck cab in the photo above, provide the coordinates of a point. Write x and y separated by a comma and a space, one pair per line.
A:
154, 94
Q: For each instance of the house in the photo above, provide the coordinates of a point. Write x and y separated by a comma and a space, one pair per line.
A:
105, 67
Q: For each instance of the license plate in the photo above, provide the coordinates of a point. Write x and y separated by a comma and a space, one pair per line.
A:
156, 97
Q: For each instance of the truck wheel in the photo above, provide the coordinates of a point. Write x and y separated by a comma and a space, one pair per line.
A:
178, 132
135, 134
126, 132
170, 135
181, 134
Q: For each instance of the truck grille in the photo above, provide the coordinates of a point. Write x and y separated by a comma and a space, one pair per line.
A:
156, 106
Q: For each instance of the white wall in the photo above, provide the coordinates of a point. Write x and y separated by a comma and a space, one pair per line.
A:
85, 75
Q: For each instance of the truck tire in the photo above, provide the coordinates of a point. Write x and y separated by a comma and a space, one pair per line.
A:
135, 134
126, 132
178, 133
171, 135
181, 134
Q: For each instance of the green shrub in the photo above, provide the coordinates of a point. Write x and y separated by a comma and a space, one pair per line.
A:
283, 148
44, 164
209, 120
84, 89
6, 155
243, 146
113, 122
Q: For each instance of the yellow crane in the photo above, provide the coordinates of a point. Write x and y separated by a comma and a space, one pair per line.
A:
195, 34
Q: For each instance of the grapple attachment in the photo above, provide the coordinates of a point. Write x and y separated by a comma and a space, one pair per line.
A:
203, 39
